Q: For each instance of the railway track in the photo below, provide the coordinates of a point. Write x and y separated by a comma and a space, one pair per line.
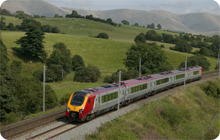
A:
28, 127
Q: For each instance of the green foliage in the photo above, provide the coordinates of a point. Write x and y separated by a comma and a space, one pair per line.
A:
12, 117
205, 51
32, 43
7, 85
125, 22
149, 34
140, 38
55, 29
2, 24
168, 38
22, 15
217, 66
182, 46
102, 35
5, 12
196, 60
38, 74
74, 14
60, 56
77, 61
153, 59
212, 89
125, 75
87, 74
36, 16
159, 26
27, 22
65, 99
54, 73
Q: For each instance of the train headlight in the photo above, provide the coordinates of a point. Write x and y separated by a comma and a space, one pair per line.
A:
67, 109
81, 111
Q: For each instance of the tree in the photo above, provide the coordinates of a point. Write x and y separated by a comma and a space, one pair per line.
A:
205, 51
140, 38
46, 28
158, 26
77, 61
136, 24
125, 75
125, 22
152, 58
3, 24
87, 74
168, 38
5, 12
55, 29
32, 43
182, 46
56, 16
11, 26
215, 46
27, 22
36, 16
7, 85
22, 15
149, 34
197, 60
102, 35
152, 26
60, 56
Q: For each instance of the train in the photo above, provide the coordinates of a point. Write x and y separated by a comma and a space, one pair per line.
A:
84, 105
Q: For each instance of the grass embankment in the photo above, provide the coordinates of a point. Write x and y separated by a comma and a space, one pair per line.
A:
187, 114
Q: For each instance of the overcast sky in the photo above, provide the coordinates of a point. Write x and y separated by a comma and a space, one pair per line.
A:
175, 6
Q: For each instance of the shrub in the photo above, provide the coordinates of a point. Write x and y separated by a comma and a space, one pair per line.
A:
77, 61
87, 74
102, 35
65, 99
38, 74
212, 89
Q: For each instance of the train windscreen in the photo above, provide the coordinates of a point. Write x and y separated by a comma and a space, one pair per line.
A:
78, 99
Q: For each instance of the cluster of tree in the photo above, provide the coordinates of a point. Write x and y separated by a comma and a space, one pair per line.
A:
102, 35
38, 16
25, 23
87, 74
152, 26
125, 22
184, 42
22, 15
5, 12
125, 75
74, 14
153, 59
197, 60
58, 64
58, 16
20, 95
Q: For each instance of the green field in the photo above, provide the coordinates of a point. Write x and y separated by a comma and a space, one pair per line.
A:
107, 55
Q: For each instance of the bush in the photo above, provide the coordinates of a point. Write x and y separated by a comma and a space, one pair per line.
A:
77, 61
102, 35
38, 74
87, 74
197, 60
212, 89
140, 38
65, 99
125, 75
11, 118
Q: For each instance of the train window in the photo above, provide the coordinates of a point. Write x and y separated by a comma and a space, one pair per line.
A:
110, 96
103, 99
106, 98
161, 81
89, 101
180, 76
195, 72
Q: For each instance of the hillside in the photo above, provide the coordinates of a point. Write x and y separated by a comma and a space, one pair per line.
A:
205, 23
194, 23
185, 114
34, 7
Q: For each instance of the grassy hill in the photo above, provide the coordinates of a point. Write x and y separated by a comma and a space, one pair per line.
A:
107, 55
34, 7
186, 114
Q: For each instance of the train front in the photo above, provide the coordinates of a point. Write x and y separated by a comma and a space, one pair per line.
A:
76, 105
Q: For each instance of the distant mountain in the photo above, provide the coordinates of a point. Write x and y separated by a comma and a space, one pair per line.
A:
196, 23
34, 7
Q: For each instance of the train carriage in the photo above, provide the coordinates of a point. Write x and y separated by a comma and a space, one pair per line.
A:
86, 104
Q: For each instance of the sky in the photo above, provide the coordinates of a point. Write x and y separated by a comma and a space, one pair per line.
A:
174, 6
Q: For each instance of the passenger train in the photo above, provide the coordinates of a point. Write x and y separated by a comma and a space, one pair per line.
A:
86, 104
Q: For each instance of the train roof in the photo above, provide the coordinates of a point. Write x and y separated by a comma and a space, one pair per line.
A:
130, 82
